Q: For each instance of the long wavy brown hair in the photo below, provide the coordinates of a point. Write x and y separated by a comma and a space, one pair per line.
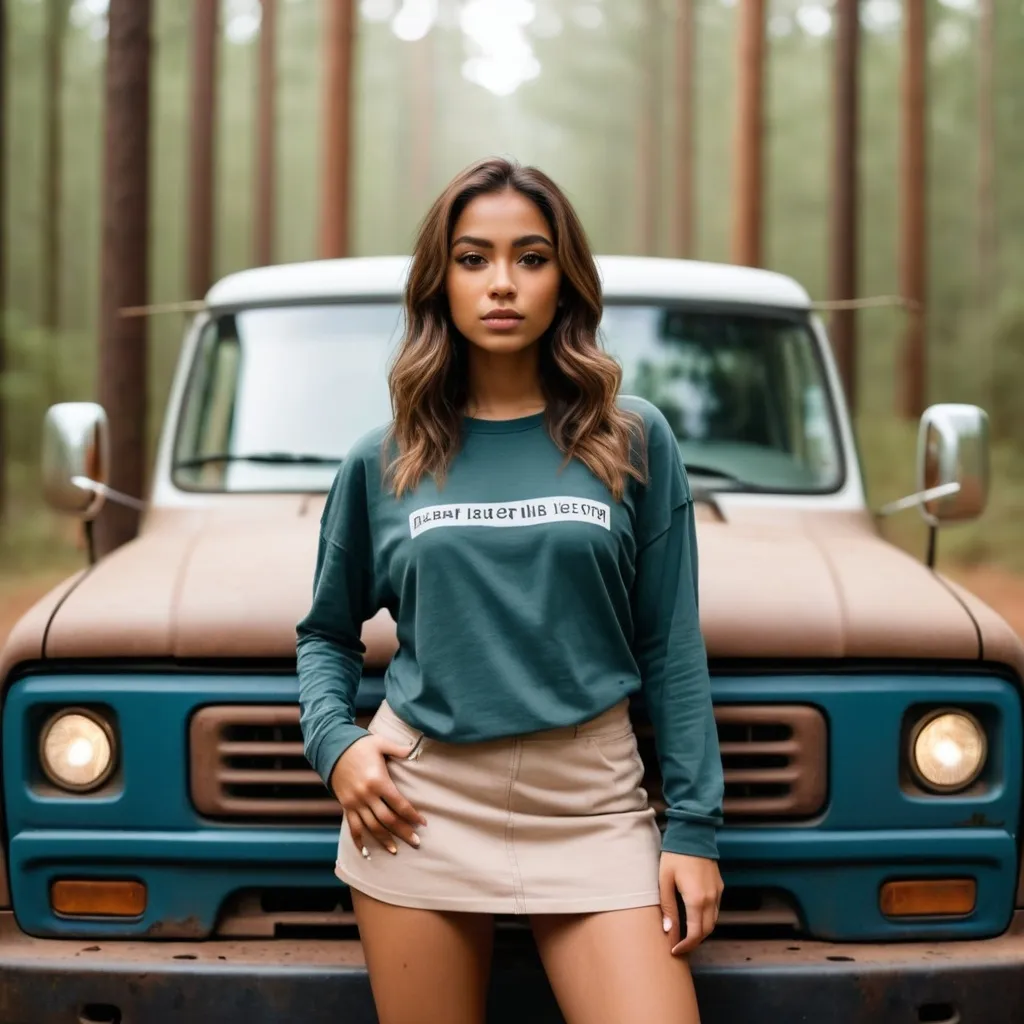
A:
580, 382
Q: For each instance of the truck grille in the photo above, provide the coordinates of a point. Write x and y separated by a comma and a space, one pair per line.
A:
774, 758
247, 762
326, 913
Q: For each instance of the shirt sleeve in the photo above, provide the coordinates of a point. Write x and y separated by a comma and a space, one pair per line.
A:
672, 658
329, 648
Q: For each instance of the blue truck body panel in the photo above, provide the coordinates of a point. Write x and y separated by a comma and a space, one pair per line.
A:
873, 828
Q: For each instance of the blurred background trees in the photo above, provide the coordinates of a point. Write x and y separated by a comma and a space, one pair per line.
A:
593, 91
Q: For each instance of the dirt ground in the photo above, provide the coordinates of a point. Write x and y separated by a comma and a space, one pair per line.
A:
19, 594
1002, 590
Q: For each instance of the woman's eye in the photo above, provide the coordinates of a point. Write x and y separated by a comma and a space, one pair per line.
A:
474, 259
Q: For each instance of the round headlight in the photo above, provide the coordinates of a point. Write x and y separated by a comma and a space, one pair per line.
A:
76, 750
948, 750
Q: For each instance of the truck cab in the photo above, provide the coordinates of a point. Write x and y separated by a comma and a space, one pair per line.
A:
168, 853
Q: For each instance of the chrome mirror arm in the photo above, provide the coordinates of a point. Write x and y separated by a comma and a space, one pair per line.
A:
919, 498
912, 500
108, 492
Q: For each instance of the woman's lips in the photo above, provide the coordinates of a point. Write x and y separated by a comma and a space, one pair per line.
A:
502, 323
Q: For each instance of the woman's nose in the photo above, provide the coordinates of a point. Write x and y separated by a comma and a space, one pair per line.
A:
501, 281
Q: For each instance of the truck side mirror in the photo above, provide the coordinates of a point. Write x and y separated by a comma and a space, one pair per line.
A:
953, 448
76, 452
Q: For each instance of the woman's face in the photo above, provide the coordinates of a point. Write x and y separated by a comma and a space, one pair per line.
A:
503, 278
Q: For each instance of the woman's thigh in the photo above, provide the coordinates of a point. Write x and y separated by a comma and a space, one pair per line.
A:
425, 966
615, 966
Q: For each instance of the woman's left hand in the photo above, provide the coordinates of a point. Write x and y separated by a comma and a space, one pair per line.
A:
700, 885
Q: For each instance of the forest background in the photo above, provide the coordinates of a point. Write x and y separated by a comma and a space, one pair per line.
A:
567, 85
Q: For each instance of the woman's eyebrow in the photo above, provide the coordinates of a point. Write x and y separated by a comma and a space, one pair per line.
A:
480, 243
530, 240
483, 243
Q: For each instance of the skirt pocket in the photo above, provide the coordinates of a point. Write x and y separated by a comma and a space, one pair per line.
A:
619, 753
386, 723
611, 739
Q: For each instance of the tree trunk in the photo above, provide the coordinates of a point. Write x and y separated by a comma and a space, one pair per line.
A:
339, 43
201, 152
266, 138
987, 286
648, 151
53, 84
686, 51
422, 110
124, 260
844, 224
748, 137
913, 226
3, 264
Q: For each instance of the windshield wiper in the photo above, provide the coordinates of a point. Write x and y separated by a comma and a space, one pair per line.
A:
719, 476
694, 469
266, 458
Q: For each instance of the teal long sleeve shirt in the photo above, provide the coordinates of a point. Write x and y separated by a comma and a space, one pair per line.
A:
526, 597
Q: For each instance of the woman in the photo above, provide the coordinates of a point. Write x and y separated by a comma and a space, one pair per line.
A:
532, 534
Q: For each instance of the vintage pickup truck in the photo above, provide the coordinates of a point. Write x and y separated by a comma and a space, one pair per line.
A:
167, 852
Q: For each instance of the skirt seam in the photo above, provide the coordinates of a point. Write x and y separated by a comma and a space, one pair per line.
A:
518, 893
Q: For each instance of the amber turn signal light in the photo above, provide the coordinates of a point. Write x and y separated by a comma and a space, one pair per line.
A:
98, 898
929, 897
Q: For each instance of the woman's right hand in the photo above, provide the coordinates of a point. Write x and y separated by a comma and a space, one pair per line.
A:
364, 788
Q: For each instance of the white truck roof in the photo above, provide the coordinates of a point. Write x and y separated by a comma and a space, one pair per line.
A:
623, 277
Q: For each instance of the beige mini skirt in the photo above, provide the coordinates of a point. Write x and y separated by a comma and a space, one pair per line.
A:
552, 822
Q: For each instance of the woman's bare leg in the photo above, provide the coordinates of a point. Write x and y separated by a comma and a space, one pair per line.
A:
615, 966
426, 967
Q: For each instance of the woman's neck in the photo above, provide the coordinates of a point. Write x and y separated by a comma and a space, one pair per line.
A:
504, 386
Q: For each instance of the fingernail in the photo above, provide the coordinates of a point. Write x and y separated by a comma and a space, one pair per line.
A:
392, 849
666, 923
366, 853
415, 839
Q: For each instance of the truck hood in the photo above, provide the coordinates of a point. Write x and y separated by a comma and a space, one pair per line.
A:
784, 585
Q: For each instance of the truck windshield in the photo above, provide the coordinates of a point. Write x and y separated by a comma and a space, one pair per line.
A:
276, 396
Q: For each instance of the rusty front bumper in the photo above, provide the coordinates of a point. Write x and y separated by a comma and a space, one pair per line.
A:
48, 981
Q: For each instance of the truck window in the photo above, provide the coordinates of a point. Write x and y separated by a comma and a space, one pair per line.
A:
746, 395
